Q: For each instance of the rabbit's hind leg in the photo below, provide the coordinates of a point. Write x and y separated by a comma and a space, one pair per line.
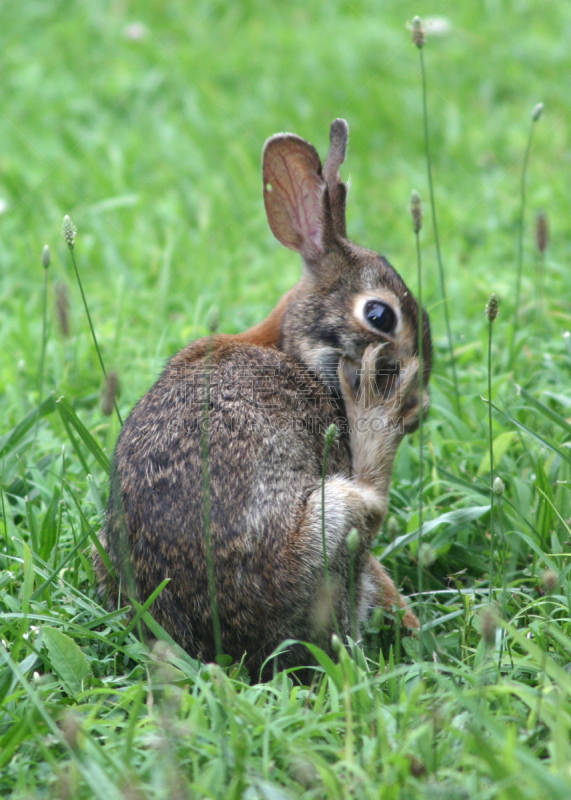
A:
380, 591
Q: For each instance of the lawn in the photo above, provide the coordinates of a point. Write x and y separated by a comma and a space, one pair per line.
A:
144, 123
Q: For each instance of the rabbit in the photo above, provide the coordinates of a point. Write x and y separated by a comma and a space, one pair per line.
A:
229, 444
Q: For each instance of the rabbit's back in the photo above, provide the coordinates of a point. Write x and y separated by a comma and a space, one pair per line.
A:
248, 423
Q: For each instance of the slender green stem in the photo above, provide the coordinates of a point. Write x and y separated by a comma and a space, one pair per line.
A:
93, 336
393, 529
44, 335
329, 439
330, 436
4, 518
544, 651
436, 237
503, 567
520, 231
206, 508
352, 598
420, 433
540, 302
349, 721
43, 351
491, 434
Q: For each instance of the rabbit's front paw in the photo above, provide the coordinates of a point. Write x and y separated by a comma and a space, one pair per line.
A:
382, 404
380, 396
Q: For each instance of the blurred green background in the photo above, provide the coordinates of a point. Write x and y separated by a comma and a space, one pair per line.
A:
145, 122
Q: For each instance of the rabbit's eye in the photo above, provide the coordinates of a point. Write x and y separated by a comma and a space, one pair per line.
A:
380, 315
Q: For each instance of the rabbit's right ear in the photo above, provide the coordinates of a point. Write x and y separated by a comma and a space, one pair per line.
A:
294, 195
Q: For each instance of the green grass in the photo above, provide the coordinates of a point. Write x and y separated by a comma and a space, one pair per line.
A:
152, 146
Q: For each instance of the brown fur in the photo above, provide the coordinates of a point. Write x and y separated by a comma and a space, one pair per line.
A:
265, 398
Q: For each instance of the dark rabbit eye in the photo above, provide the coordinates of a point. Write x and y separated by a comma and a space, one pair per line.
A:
380, 315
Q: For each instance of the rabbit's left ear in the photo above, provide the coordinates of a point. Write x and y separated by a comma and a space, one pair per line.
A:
294, 194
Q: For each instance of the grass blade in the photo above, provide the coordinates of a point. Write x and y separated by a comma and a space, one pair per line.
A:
15, 436
49, 528
534, 435
455, 519
66, 658
69, 416
142, 609
547, 412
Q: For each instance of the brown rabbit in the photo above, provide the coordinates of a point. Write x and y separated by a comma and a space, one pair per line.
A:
235, 427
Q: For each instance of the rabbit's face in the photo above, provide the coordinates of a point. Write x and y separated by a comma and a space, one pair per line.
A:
368, 303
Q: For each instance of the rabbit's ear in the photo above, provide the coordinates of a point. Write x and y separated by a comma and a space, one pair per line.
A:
294, 195
338, 136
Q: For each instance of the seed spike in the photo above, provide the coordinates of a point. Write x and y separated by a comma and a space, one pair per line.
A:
46, 257
417, 32
69, 231
492, 307
416, 210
